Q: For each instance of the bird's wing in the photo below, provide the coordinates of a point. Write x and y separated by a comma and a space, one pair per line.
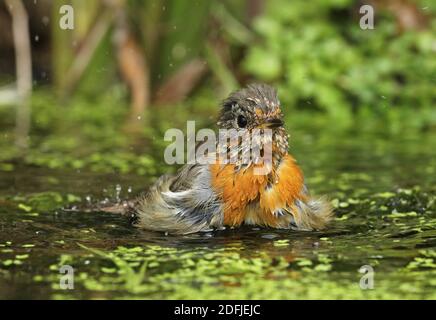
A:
183, 203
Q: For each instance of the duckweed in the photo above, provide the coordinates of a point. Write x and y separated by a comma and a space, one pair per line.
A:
385, 217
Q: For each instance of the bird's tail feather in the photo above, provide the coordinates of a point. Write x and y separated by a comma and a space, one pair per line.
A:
314, 214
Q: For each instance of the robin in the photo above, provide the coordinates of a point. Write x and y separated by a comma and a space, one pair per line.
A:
204, 197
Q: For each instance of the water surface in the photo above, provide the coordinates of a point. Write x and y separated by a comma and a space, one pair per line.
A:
382, 185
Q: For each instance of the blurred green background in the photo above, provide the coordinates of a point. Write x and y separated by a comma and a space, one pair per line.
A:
130, 69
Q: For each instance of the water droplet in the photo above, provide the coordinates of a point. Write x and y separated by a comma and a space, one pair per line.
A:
45, 20
269, 236
117, 192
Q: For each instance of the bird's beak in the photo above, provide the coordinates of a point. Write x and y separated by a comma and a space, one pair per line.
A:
273, 123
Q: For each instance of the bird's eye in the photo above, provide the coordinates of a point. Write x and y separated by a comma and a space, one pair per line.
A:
242, 121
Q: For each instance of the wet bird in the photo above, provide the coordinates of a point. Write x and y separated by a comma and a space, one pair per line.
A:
204, 197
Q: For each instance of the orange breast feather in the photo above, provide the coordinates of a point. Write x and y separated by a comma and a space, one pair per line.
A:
238, 189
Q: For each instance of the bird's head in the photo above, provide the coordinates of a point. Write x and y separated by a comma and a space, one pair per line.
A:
253, 109
256, 106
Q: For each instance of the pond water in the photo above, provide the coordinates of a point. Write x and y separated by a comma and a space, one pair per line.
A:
382, 185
